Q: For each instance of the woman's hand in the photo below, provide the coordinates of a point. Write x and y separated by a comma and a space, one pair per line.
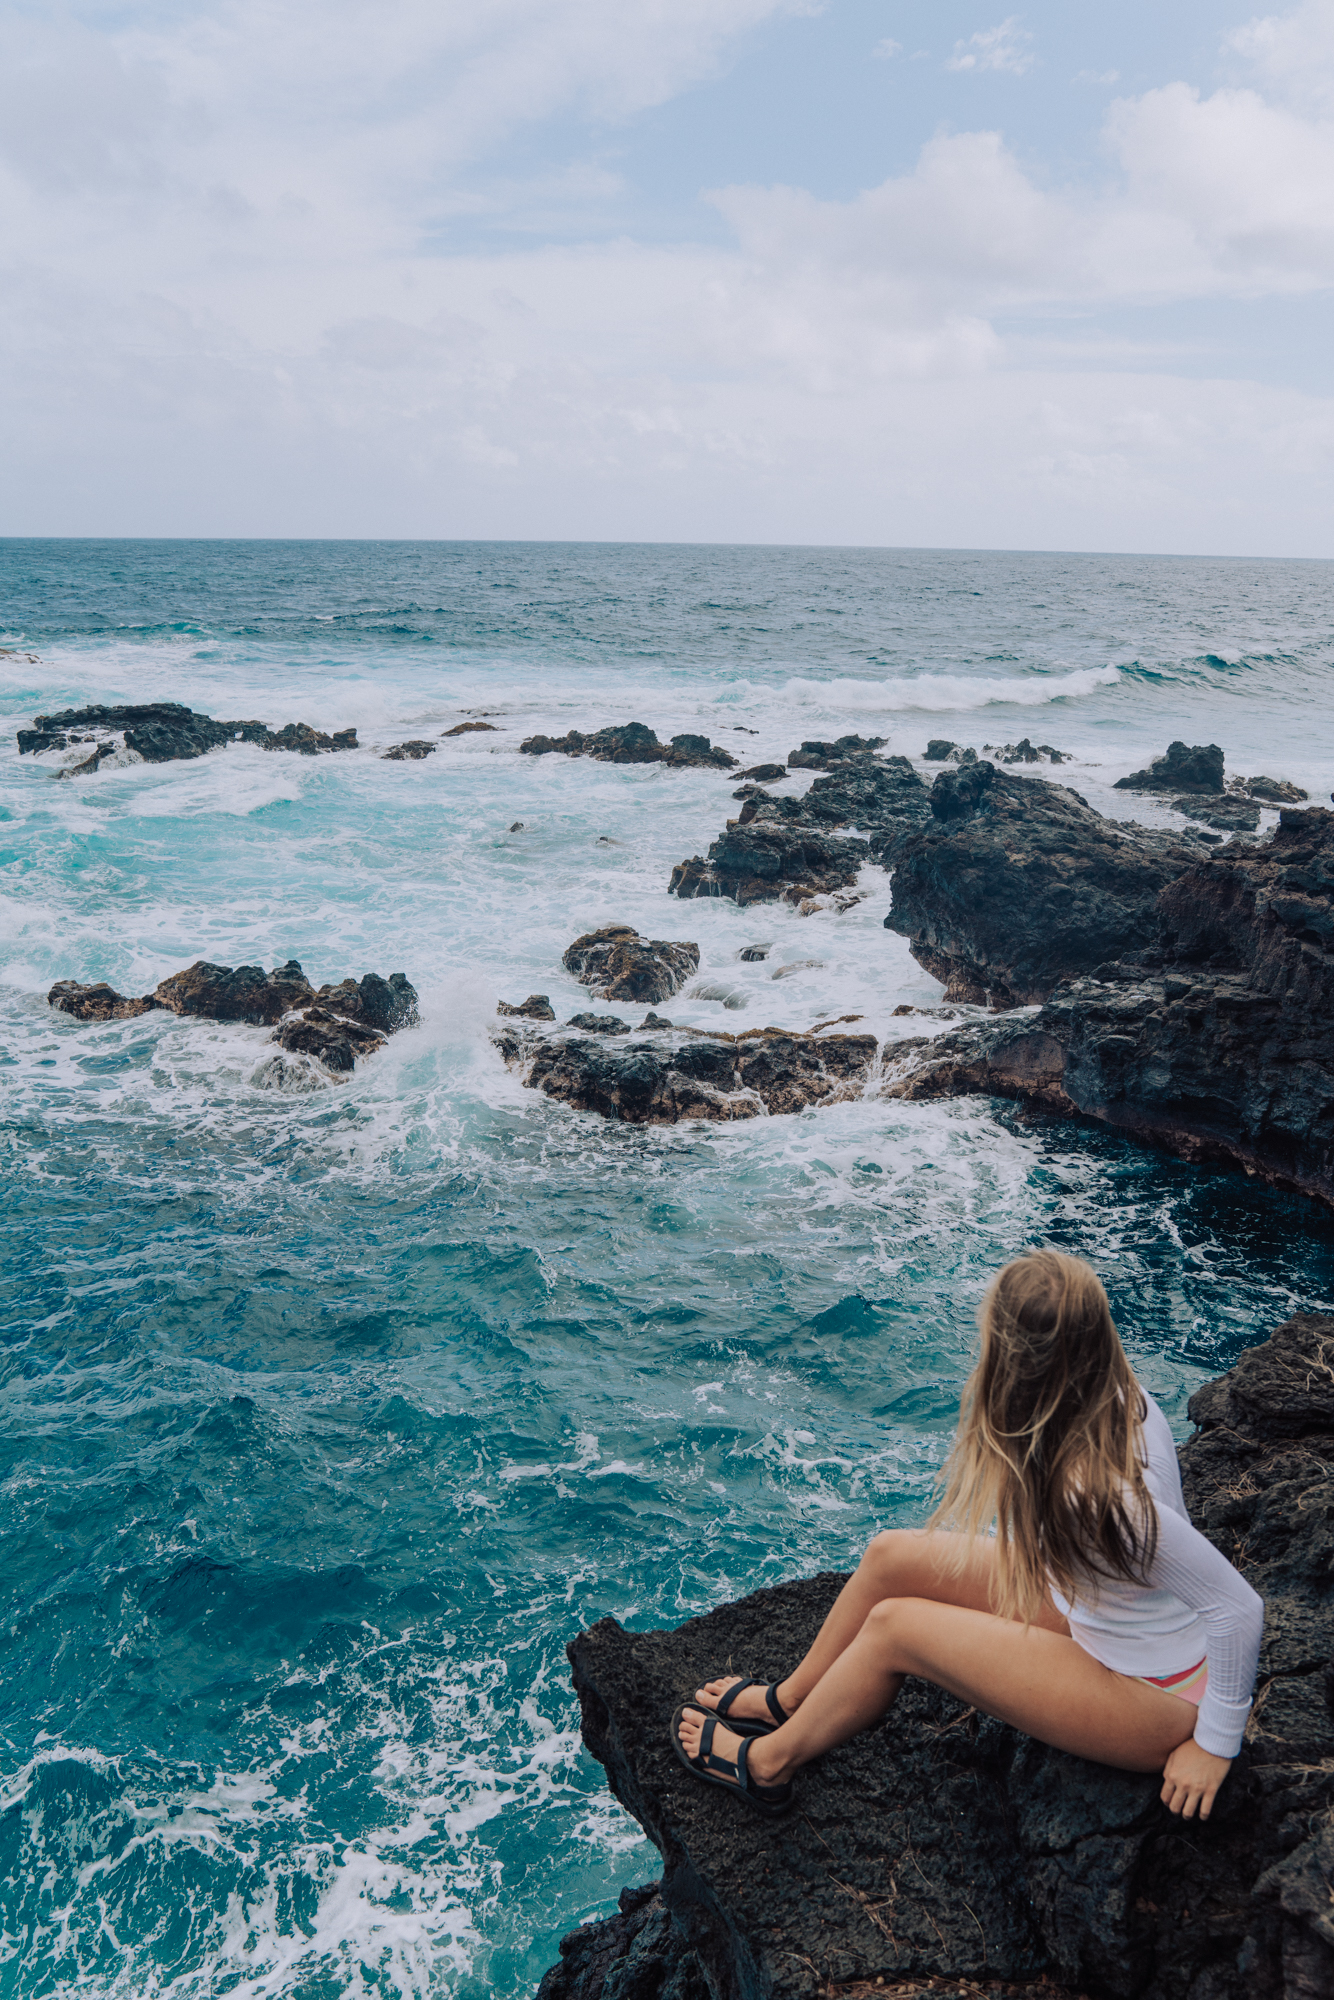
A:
1191, 1778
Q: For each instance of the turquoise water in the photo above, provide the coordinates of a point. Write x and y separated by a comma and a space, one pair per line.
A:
328, 1419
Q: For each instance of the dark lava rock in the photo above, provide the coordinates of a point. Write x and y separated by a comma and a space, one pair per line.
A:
537, 1007
383, 1004
763, 861
814, 756
632, 743
335, 1040
654, 1021
1016, 884
1228, 811
412, 751
469, 728
241, 993
161, 731
599, 1024
764, 774
1195, 769
943, 1845
1024, 752
1275, 791
937, 750
339, 1023
636, 1955
97, 1003
617, 964
1218, 1042
703, 1076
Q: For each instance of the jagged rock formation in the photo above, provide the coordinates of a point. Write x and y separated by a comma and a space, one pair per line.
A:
945, 1845
1016, 883
160, 731
816, 756
782, 848
537, 1007
1198, 768
1217, 1041
693, 1075
762, 774
410, 752
470, 728
632, 743
1230, 812
336, 1024
618, 964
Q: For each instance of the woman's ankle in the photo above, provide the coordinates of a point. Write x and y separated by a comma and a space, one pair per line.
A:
789, 1699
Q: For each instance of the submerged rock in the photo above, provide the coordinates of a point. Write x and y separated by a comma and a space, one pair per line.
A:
470, 728
1228, 811
599, 1024
1198, 768
1024, 752
1016, 883
631, 743
338, 1024
944, 1846
1274, 791
763, 774
410, 752
717, 1077
161, 731
616, 963
1216, 1041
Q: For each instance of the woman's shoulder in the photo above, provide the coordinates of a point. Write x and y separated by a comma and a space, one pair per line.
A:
1162, 1470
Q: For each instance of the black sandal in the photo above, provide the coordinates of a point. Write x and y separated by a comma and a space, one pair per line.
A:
748, 1725
772, 1799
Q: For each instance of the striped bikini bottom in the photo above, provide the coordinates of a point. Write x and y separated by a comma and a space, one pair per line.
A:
1189, 1685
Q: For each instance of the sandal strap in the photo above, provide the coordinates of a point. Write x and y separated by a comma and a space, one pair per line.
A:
772, 1703
725, 1701
770, 1793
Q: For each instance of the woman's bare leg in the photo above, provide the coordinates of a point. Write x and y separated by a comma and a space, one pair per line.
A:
902, 1562
1038, 1679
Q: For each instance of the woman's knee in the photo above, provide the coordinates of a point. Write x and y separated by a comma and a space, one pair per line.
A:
886, 1554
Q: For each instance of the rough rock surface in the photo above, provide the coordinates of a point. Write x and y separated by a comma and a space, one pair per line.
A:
695, 1075
632, 743
1016, 883
1217, 1042
763, 774
537, 1007
617, 964
944, 1844
1230, 812
816, 756
782, 848
1194, 768
635, 1955
337, 1024
470, 728
412, 751
159, 731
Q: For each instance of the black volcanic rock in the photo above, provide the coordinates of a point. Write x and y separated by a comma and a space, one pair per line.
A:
631, 743
764, 860
338, 1024
1230, 812
1016, 884
816, 756
161, 731
599, 1024
537, 1007
412, 751
617, 964
1218, 1042
944, 1846
695, 1076
763, 774
1198, 768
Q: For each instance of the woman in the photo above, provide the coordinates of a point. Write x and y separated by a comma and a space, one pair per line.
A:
1094, 1617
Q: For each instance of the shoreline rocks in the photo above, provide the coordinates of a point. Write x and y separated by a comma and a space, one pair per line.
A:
1215, 1041
944, 1846
632, 743
1197, 768
696, 1074
161, 732
1016, 883
615, 963
335, 1024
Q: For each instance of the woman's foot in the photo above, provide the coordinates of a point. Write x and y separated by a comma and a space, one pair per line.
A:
751, 1705
760, 1765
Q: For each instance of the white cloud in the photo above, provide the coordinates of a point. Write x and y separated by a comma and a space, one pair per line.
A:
887, 50
1006, 47
1293, 53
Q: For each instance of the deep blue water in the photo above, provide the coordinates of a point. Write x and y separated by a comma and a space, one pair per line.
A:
329, 1418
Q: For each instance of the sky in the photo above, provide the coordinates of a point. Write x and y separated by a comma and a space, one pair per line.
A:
813, 271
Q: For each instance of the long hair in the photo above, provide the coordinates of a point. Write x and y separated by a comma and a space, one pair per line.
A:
1049, 1449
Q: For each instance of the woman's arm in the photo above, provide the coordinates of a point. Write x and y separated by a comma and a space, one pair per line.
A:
1193, 1570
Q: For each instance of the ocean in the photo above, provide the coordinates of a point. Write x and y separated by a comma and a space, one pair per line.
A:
329, 1418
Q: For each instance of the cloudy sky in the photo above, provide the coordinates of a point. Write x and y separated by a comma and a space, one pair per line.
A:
868, 271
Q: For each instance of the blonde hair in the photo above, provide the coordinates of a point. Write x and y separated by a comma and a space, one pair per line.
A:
1049, 1448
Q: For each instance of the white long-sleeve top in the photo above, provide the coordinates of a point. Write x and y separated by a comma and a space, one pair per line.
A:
1192, 1605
